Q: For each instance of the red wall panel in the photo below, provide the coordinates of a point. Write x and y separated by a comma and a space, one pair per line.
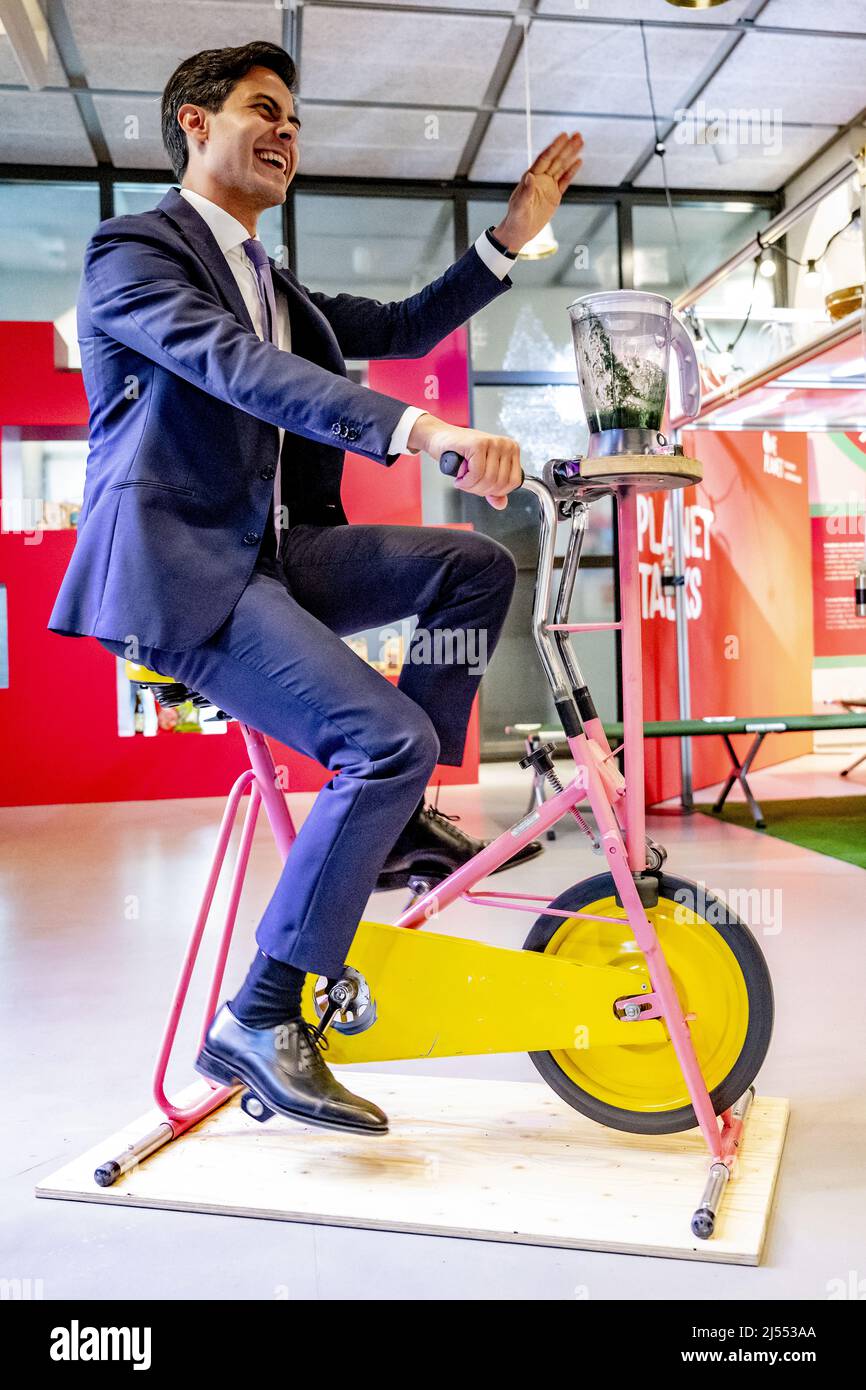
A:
749, 591
58, 718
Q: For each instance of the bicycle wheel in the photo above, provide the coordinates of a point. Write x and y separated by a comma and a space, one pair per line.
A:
720, 976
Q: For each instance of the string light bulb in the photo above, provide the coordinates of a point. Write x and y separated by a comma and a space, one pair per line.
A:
767, 264
812, 277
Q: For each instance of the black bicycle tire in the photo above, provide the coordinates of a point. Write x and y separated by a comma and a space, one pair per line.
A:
759, 991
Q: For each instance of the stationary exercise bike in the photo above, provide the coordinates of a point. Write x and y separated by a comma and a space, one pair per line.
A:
643, 1001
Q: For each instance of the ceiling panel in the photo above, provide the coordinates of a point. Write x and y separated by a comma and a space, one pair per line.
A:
754, 167
370, 142
11, 72
42, 128
134, 47
804, 79
600, 68
455, 5
838, 15
376, 56
610, 147
132, 132
728, 13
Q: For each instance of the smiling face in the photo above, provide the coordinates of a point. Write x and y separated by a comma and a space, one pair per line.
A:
245, 156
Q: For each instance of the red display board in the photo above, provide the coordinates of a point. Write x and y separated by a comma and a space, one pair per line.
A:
59, 741
748, 586
836, 558
837, 493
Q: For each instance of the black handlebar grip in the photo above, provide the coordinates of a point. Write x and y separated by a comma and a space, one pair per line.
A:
450, 461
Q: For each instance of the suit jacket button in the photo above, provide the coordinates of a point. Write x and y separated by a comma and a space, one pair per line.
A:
252, 538
268, 473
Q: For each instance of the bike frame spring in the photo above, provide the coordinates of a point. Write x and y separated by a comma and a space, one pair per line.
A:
553, 778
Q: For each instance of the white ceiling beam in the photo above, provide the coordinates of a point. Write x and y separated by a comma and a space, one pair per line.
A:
27, 32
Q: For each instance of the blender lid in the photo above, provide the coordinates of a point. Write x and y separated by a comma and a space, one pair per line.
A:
610, 294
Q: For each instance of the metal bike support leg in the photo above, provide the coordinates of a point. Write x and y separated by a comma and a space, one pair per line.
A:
261, 780
722, 1142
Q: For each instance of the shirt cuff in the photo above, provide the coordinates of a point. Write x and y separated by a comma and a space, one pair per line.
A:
399, 442
493, 259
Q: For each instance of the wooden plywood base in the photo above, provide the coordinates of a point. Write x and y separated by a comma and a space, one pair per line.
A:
487, 1160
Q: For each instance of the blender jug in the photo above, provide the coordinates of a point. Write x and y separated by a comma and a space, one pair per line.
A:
622, 341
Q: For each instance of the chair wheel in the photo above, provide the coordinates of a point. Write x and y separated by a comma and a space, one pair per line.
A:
255, 1108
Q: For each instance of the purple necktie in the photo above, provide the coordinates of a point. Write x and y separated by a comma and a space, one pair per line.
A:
265, 285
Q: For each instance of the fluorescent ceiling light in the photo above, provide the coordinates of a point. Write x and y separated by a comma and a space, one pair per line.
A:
24, 25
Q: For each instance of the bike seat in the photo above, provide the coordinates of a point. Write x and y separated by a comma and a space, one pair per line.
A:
167, 691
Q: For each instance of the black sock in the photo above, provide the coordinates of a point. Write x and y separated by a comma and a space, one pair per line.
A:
270, 994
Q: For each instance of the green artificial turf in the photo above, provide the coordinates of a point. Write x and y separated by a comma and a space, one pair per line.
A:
834, 825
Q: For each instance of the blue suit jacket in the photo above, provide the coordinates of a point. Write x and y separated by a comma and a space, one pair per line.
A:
185, 401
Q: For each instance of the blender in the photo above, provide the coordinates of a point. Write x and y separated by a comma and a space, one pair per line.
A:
622, 343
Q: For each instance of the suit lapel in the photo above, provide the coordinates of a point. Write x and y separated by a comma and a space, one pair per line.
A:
312, 335
204, 243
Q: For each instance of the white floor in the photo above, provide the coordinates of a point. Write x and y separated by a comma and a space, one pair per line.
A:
95, 909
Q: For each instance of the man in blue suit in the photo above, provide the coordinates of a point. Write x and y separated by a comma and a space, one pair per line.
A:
212, 545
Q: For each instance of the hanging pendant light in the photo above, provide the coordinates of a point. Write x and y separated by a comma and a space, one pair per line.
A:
544, 243
697, 4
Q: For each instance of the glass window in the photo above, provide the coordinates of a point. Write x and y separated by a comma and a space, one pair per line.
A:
708, 234
385, 248
4, 639
44, 228
547, 422
138, 197
528, 328
42, 477
516, 690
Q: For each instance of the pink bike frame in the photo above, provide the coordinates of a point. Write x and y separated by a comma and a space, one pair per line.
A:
261, 779
621, 820
619, 815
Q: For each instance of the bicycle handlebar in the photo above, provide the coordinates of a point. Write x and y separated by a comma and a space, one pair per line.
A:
450, 461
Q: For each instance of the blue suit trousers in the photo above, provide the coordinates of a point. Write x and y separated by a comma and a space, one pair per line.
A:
279, 664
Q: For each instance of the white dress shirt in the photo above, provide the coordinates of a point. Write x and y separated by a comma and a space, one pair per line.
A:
230, 234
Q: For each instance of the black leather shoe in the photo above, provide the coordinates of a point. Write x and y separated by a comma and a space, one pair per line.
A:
285, 1069
432, 845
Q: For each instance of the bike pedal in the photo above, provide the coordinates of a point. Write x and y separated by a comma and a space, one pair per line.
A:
409, 878
256, 1108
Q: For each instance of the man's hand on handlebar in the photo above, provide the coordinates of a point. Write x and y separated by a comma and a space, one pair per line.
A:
492, 461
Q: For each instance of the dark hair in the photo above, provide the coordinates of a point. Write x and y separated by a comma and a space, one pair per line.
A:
207, 80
